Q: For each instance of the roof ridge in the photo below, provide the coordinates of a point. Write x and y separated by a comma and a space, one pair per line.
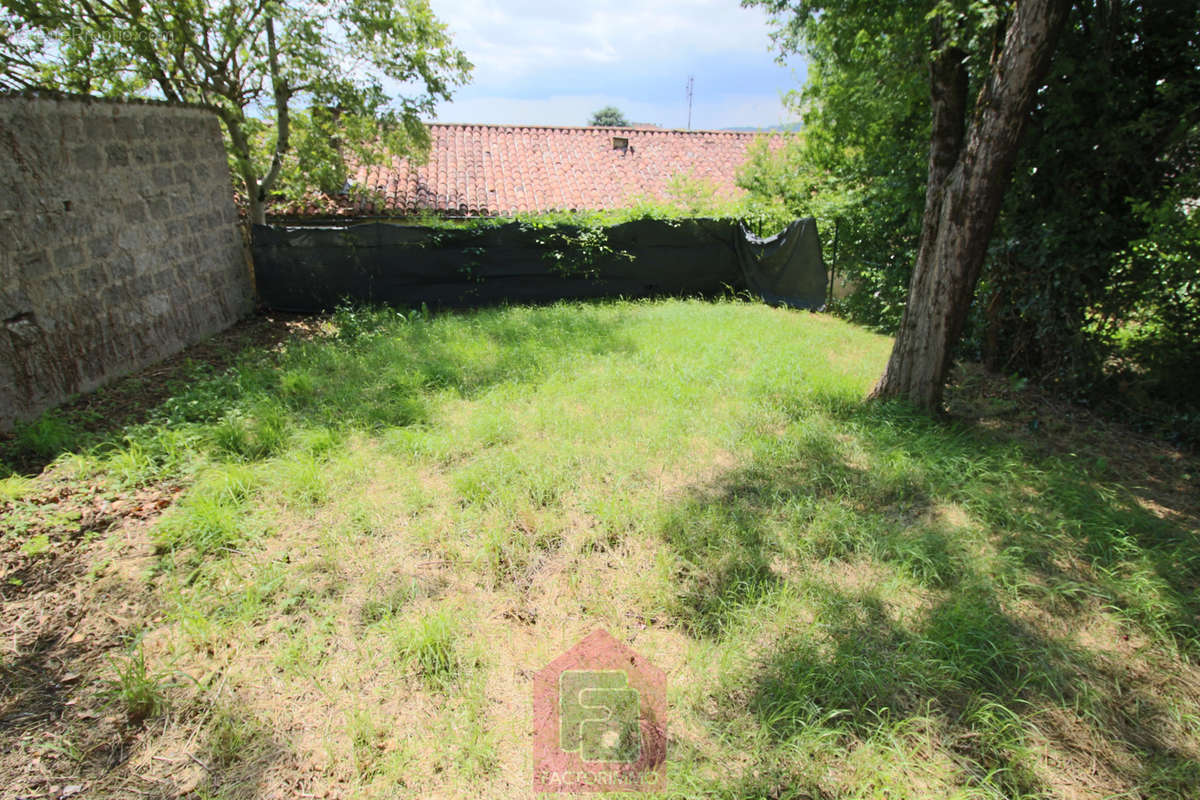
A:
710, 131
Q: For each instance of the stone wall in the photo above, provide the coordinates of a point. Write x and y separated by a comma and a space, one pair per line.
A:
119, 243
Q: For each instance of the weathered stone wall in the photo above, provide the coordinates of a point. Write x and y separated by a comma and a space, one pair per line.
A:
119, 243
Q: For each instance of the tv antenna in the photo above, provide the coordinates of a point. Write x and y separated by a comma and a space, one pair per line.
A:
690, 85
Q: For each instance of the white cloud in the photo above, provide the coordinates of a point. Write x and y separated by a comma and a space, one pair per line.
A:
556, 62
726, 111
518, 39
550, 110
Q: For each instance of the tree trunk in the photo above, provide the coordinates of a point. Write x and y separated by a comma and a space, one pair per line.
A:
256, 210
240, 146
282, 96
963, 196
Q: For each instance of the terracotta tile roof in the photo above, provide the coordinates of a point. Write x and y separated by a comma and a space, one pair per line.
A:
507, 169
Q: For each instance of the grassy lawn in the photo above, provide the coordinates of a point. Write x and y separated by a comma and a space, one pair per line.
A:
332, 569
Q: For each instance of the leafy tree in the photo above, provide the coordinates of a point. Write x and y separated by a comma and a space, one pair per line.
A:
1087, 250
970, 166
609, 117
250, 60
971, 154
859, 165
863, 186
1083, 263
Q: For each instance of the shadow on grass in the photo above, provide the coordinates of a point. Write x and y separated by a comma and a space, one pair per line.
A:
370, 369
998, 558
239, 753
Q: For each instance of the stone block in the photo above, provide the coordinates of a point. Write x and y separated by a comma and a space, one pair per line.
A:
116, 154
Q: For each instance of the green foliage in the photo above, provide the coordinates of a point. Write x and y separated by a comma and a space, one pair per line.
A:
430, 646
139, 693
576, 243
609, 117
213, 516
256, 435
692, 195
15, 487
1161, 335
1091, 255
859, 164
394, 601
18, 54
36, 545
332, 58
45, 437
324, 140
232, 737
688, 196
1093, 243
575, 252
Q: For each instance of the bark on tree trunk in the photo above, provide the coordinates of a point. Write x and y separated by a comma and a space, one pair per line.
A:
256, 210
282, 97
255, 194
963, 196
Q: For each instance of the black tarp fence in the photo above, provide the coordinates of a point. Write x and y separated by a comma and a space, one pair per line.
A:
309, 268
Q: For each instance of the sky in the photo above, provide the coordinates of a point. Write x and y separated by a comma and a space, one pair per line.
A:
555, 63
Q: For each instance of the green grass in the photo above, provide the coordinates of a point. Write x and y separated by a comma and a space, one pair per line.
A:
388, 527
132, 688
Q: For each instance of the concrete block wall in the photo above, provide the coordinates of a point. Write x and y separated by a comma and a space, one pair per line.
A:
119, 243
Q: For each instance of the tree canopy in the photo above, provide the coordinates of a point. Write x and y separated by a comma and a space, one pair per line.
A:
1002, 50
609, 117
347, 79
1087, 263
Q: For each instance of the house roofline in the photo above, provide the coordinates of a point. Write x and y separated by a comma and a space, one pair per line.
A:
604, 128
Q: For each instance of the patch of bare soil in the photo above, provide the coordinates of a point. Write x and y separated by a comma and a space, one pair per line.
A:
1165, 478
72, 597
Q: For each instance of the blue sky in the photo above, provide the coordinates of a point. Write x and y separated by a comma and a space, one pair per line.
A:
554, 63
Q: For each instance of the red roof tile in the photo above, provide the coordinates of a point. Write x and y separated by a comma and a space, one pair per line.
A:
508, 169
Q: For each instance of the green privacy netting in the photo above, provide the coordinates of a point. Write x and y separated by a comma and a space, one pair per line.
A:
305, 268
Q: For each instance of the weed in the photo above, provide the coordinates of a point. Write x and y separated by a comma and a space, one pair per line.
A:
429, 646
45, 437
232, 737
253, 436
139, 693
16, 487
213, 516
36, 545
407, 589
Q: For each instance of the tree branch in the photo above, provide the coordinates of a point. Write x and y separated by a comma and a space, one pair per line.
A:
282, 121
